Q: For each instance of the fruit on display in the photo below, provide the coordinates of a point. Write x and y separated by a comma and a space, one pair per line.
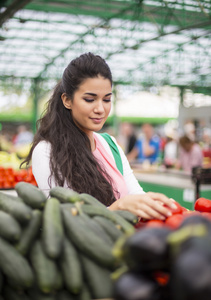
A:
10, 160
60, 247
9, 177
166, 260
203, 205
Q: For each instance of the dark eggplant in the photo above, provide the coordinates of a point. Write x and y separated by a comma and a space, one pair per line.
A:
195, 219
147, 249
136, 286
191, 270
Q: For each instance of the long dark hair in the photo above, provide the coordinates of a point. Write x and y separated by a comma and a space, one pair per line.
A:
71, 158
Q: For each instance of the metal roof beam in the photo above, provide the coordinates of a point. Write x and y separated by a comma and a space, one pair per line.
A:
12, 9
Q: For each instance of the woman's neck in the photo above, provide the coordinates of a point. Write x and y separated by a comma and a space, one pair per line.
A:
92, 141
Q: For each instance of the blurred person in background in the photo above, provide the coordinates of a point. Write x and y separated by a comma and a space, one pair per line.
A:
22, 141
24, 136
147, 147
190, 130
190, 154
128, 135
170, 151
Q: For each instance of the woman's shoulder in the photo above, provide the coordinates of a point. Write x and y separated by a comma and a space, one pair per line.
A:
42, 146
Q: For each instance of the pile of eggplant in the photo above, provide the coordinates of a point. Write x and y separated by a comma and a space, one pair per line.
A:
159, 263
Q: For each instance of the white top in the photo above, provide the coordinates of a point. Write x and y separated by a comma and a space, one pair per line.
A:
41, 168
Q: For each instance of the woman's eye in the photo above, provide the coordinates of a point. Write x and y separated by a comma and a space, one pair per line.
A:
107, 100
89, 100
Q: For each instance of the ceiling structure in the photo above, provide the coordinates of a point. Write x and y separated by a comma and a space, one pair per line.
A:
145, 42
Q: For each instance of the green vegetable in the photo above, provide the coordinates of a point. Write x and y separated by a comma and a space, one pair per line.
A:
14, 265
31, 194
9, 227
98, 279
87, 241
92, 210
52, 235
64, 195
130, 217
109, 227
88, 199
30, 232
20, 211
93, 225
70, 266
45, 269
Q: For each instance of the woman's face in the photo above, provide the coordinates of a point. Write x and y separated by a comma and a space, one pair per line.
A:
91, 104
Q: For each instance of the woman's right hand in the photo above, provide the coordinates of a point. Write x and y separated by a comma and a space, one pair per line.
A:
148, 206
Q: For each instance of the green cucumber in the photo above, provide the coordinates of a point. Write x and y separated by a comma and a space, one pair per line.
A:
30, 232
87, 241
93, 210
85, 293
20, 211
109, 227
93, 225
70, 266
16, 198
98, 279
64, 195
53, 233
88, 199
127, 215
9, 227
45, 269
31, 194
14, 265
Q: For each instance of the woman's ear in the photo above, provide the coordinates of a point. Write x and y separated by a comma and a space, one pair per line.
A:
66, 101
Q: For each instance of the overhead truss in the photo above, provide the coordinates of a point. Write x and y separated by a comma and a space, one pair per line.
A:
145, 42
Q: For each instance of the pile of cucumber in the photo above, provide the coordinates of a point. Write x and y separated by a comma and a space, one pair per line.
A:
60, 247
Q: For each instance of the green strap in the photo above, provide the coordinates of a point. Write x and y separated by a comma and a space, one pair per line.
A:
115, 151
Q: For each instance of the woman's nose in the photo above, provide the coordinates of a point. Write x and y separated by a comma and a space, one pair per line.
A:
99, 107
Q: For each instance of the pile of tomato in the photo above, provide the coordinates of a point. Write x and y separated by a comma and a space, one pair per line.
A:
201, 206
10, 177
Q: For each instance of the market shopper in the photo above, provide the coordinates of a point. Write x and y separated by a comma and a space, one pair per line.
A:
190, 154
67, 150
147, 147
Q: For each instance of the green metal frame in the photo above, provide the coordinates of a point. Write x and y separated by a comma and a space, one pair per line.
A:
145, 42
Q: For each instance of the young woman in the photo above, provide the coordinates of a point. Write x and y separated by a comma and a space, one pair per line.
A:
67, 150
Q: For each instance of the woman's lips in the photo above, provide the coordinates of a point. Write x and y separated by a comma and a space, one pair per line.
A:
97, 120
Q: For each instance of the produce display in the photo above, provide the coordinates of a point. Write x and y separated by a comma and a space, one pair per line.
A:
9, 177
59, 247
70, 246
168, 260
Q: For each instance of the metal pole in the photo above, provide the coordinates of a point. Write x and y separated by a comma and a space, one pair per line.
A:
35, 95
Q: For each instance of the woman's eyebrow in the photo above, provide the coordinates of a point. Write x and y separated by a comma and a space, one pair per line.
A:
92, 94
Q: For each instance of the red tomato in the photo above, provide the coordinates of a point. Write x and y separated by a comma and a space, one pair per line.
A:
161, 277
174, 221
177, 210
155, 223
203, 205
